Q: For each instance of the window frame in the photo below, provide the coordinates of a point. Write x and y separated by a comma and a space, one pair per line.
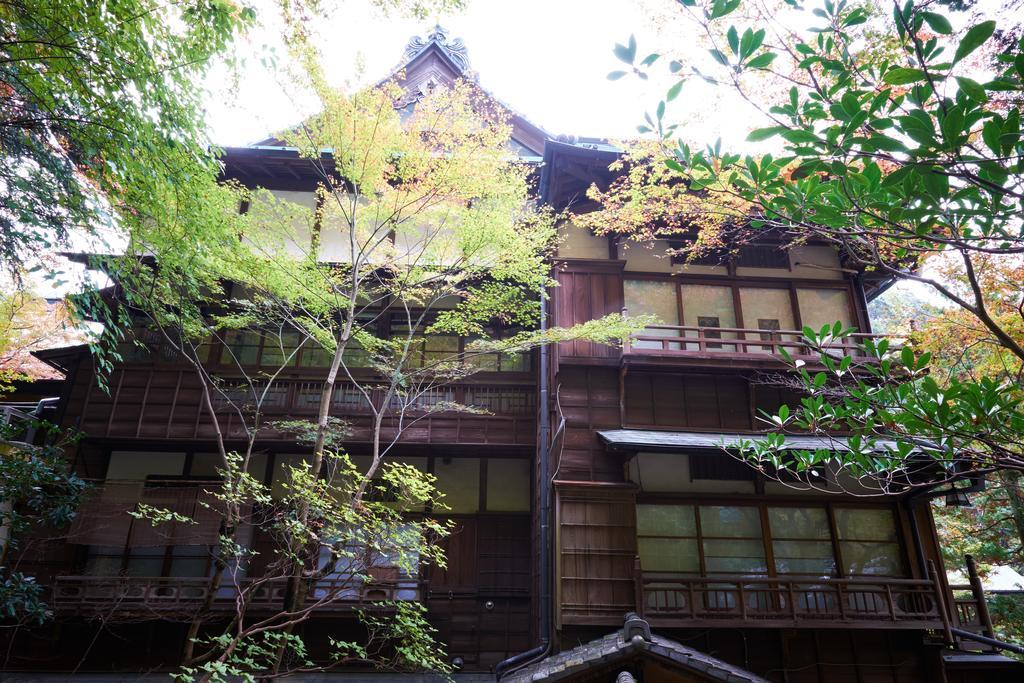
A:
736, 282
905, 567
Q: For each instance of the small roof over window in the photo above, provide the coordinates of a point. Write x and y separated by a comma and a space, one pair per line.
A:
651, 440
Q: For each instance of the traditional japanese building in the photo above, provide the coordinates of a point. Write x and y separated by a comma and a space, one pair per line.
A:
603, 531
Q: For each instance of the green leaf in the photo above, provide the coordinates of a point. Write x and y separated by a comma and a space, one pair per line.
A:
734, 40
720, 57
759, 134
938, 23
903, 75
990, 133
674, 91
675, 165
850, 103
972, 89
761, 61
798, 136
974, 39
616, 75
626, 53
936, 182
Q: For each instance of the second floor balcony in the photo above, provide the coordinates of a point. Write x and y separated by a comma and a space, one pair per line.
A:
710, 345
147, 403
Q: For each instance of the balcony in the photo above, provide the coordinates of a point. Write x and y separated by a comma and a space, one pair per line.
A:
183, 597
729, 345
167, 404
806, 602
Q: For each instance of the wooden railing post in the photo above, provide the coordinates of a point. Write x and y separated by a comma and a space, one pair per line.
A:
978, 591
638, 582
940, 601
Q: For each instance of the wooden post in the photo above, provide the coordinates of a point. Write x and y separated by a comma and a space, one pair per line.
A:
638, 581
984, 618
940, 598
627, 343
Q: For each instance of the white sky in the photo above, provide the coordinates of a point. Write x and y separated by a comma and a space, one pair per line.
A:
548, 59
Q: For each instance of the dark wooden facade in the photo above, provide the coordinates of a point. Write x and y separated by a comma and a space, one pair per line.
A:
712, 379
853, 623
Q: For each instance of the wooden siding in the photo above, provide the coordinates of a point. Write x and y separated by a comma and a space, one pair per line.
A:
587, 290
691, 401
480, 602
596, 552
589, 401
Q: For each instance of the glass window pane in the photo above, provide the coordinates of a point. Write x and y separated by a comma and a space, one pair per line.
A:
515, 362
508, 485
665, 520
314, 356
804, 557
799, 523
865, 524
766, 303
243, 347
734, 556
280, 349
819, 307
768, 309
668, 555
730, 521
458, 480
708, 306
657, 298
871, 558
652, 297
189, 560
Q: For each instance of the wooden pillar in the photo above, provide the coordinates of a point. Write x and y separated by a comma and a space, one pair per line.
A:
984, 618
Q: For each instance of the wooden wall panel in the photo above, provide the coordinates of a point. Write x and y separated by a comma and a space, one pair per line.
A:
587, 292
589, 400
596, 553
687, 401
480, 603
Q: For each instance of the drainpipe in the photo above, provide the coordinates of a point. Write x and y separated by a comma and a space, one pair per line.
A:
544, 513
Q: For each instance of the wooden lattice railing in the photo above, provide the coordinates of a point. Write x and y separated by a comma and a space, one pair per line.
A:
821, 602
692, 340
168, 597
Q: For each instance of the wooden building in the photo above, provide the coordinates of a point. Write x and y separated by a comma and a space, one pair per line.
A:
597, 486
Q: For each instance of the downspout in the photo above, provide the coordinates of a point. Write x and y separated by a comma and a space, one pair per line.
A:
544, 482
544, 514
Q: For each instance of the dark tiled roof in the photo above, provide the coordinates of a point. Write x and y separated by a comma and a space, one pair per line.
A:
641, 439
634, 639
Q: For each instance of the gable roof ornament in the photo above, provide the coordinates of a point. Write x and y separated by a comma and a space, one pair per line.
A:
620, 651
454, 48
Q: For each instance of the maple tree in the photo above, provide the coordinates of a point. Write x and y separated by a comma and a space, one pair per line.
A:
890, 155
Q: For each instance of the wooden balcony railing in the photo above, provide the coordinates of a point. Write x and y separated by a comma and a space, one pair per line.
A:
965, 605
681, 341
791, 602
167, 405
182, 597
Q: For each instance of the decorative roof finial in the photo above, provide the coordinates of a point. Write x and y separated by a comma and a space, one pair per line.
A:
454, 48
